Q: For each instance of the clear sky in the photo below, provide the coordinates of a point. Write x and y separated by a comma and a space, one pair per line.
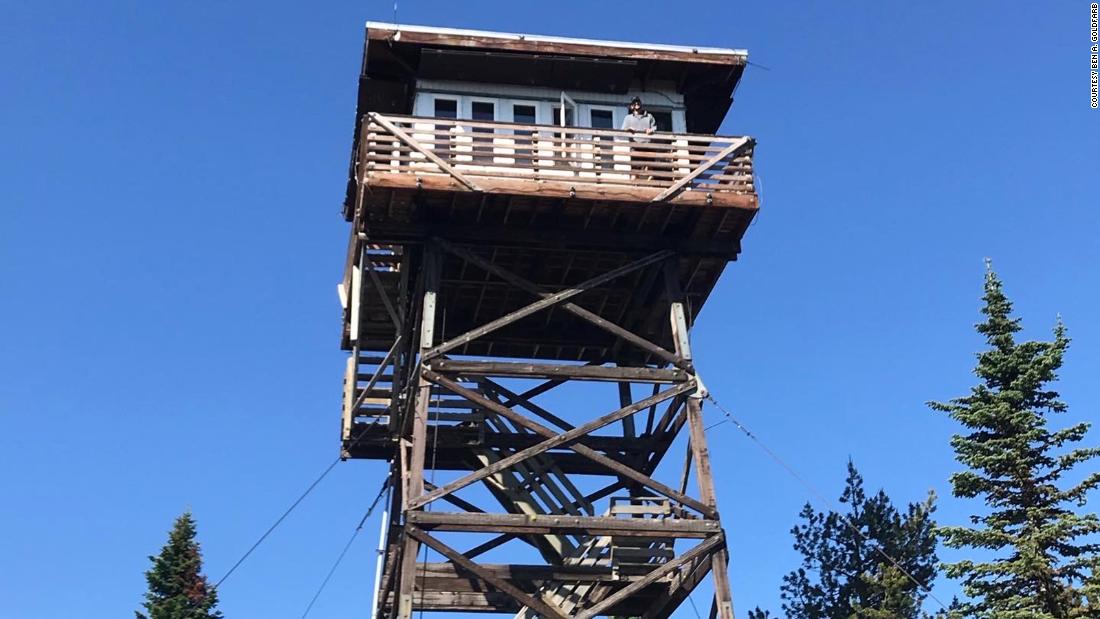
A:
172, 175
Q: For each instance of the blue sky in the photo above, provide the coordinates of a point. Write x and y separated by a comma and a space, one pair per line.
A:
172, 175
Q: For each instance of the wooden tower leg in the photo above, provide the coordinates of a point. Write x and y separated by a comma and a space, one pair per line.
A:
414, 470
723, 599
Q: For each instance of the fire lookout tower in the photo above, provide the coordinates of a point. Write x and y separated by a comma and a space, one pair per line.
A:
511, 252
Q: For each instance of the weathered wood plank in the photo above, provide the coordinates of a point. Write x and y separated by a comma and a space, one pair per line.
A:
667, 602
682, 184
411, 142
634, 587
723, 598
414, 482
571, 372
574, 309
553, 238
580, 188
612, 465
497, 582
556, 440
546, 302
489, 545
543, 46
507, 523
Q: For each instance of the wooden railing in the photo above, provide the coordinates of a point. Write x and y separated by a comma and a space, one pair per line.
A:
479, 155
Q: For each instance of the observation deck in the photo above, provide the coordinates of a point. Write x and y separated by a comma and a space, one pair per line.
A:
555, 205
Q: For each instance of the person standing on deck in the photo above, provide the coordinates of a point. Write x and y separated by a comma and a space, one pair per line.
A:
640, 124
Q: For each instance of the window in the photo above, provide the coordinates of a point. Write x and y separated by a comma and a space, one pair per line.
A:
664, 120
602, 119
568, 116
446, 108
525, 115
483, 111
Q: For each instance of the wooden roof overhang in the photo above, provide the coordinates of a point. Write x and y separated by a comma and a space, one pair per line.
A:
394, 56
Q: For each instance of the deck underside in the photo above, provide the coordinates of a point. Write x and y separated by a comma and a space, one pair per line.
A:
554, 243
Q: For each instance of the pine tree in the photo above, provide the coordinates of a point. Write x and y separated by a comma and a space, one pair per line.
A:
1015, 463
177, 587
844, 574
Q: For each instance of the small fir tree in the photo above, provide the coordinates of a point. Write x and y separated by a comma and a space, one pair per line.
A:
843, 574
177, 587
1015, 464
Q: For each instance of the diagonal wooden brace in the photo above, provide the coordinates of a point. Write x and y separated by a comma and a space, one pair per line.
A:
652, 577
730, 151
513, 399
547, 301
412, 143
497, 582
592, 317
613, 465
376, 377
558, 440
373, 273
670, 599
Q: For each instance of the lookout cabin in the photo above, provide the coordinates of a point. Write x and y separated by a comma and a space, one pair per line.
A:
513, 141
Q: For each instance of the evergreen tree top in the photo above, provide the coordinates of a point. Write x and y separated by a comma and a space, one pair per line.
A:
177, 587
845, 571
1015, 462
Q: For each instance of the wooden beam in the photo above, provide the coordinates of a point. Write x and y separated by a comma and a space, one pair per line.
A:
730, 151
419, 431
557, 440
484, 547
700, 452
686, 473
412, 143
542, 46
456, 501
381, 291
499, 583
562, 524
666, 604
511, 369
612, 465
652, 577
625, 398
574, 309
376, 376
573, 188
456, 438
512, 399
529, 572
552, 238
723, 598
546, 302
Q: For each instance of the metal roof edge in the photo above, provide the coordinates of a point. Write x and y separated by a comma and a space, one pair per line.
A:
560, 40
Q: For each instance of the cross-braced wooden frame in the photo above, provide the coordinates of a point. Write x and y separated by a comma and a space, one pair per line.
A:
636, 558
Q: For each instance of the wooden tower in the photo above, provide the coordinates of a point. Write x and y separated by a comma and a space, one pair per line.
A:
520, 284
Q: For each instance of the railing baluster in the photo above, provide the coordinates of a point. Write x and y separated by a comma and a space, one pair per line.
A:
676, 162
